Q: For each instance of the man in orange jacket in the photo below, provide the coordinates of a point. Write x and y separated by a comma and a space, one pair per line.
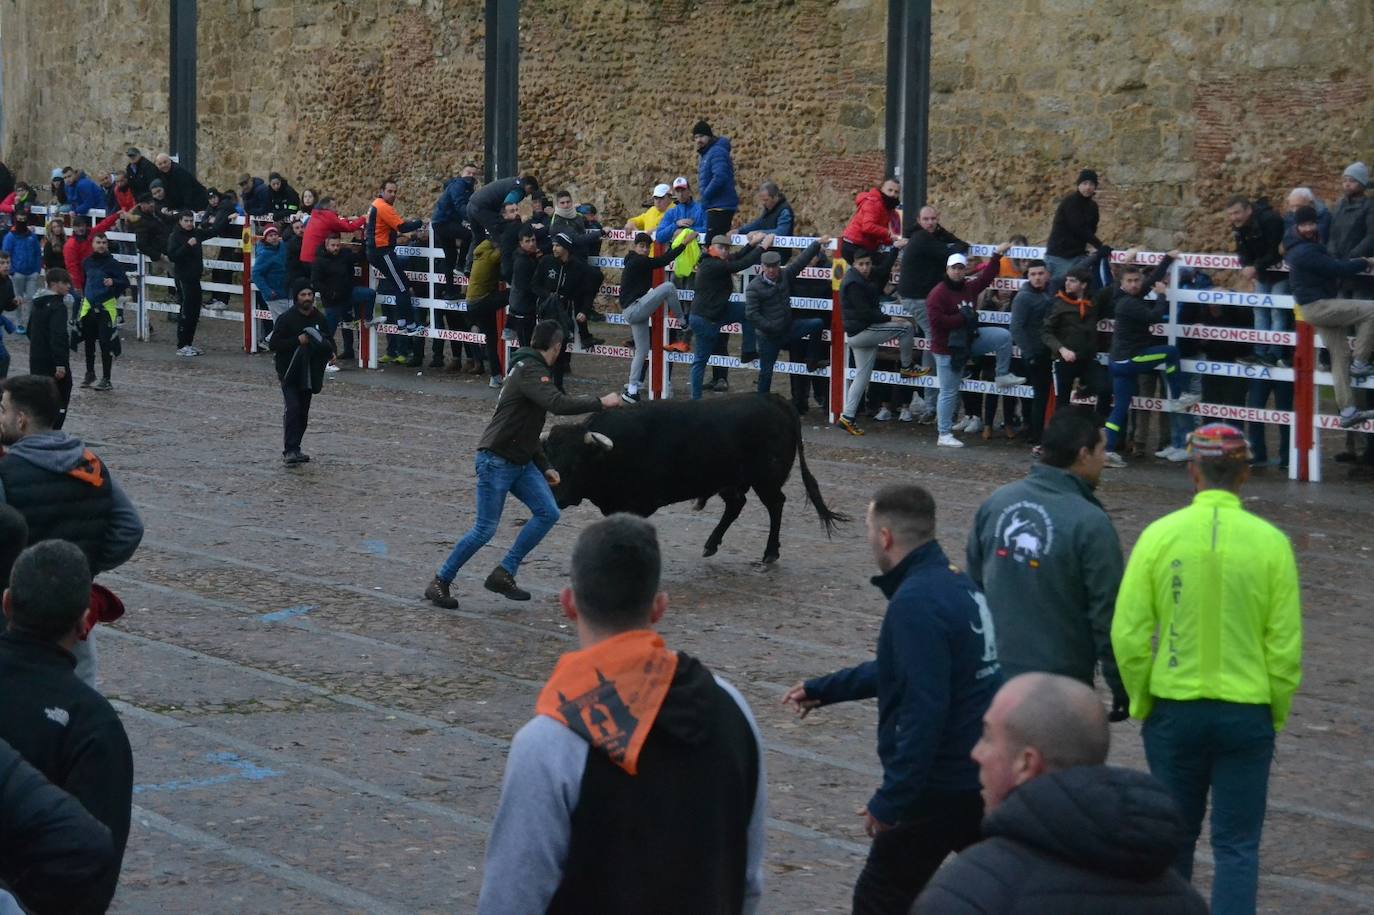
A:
384, 227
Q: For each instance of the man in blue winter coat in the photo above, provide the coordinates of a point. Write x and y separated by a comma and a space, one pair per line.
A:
83, 194
715, 179
935, 675
449, 221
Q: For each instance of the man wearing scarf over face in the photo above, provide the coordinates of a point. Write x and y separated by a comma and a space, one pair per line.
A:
629, 739
875, 223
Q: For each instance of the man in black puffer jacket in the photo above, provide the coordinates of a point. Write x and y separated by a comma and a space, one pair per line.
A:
1063, 834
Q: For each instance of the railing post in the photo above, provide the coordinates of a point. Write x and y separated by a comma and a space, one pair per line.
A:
1304, 462
658, 330
839, 365
140, 309
250, 320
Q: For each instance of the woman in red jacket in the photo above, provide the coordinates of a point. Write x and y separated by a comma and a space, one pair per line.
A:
876, 222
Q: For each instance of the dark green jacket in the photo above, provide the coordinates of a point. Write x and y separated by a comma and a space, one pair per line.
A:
526, 398
1049, 561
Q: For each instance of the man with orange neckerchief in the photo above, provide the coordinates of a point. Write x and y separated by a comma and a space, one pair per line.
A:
630, 739
1218, 586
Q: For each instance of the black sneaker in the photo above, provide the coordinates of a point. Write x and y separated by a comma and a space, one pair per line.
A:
629, 397
503, 582
302, 458
437, 594
748, 356
88, 380
291, 458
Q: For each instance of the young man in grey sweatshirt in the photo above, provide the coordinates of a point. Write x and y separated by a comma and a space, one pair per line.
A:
1049, 561
639, 785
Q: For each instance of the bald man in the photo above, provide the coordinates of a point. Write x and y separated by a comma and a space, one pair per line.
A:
922, 266
1059, 823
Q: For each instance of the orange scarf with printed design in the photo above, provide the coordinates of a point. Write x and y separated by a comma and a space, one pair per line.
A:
610, 694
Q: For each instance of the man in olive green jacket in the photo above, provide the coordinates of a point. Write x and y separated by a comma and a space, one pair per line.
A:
510, 460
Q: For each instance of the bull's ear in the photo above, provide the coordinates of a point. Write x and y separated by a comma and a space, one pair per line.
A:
599, 439
544, 436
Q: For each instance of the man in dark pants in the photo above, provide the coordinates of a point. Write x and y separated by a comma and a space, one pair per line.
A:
188, 264
1029, 309
712, 307
1257, 395
450, 223
60, 725
510, 459
935, 674
1070, 334
301, 347
1208, 636
49, 340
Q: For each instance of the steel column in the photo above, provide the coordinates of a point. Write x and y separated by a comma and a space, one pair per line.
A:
502, 88
181, 84
908, 101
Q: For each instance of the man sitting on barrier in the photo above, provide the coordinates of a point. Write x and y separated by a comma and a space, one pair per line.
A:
639, 303
380, 236
1314, 279
1134, 351
1074, 227
955, 336
486, 206
712, 307
866, 328
768, 306
510, 459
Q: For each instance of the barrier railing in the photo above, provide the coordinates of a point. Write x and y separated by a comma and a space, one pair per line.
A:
1303, 420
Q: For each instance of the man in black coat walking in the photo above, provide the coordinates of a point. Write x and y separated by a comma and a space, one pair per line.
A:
1060, 825
301, 346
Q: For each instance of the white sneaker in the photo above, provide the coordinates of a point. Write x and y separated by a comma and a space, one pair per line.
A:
1178, 455
1115, 460
379, 320
961, 425
331, 368
905, 416
187, 351
949, 441
217, 304
1163, 453
1008, 380
882, 416
494, 382
199, 351
1183, 403
974, 425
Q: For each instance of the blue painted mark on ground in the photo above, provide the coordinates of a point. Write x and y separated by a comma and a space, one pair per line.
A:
286, 614
375, 547
243, 769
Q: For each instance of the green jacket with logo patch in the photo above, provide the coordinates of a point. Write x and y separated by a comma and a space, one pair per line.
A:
527, 397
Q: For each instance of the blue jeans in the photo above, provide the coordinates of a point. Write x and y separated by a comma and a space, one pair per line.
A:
1123, 384
1272, 319
1224, 747
1058, 265
949, 377
704, 335
496, 477
769, 349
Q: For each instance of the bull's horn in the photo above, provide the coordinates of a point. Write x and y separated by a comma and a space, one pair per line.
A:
597, 438
544, 436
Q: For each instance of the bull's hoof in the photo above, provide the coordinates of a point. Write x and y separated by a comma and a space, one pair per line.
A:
710, 549
769, 558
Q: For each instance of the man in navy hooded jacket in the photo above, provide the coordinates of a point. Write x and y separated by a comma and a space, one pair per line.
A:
935, 675
715, 179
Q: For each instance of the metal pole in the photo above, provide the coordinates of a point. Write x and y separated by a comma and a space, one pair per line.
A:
908, 101
181, 84
502, 88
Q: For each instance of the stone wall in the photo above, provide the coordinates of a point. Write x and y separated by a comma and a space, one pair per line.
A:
1177, 103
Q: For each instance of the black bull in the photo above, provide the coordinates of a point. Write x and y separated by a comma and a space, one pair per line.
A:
640, 459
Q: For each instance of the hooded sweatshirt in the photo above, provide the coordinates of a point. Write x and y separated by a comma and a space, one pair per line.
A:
1086, 839
65, 492
47, 331
25, 250
577, 832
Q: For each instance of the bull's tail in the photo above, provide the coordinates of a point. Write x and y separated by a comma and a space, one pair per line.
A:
813, 490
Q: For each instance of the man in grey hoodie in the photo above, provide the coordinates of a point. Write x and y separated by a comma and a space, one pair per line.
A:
63, 490
1049, 561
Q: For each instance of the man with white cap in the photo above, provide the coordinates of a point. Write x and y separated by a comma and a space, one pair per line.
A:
648, 220
685, 214
955, 335
1208, 636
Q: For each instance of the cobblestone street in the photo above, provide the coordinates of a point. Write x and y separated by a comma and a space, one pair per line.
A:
311, 736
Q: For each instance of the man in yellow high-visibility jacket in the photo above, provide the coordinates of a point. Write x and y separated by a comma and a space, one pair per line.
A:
1218, 586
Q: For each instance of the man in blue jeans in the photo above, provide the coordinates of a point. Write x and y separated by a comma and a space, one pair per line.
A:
711, 305
510, 459
1208, 638
768, 307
